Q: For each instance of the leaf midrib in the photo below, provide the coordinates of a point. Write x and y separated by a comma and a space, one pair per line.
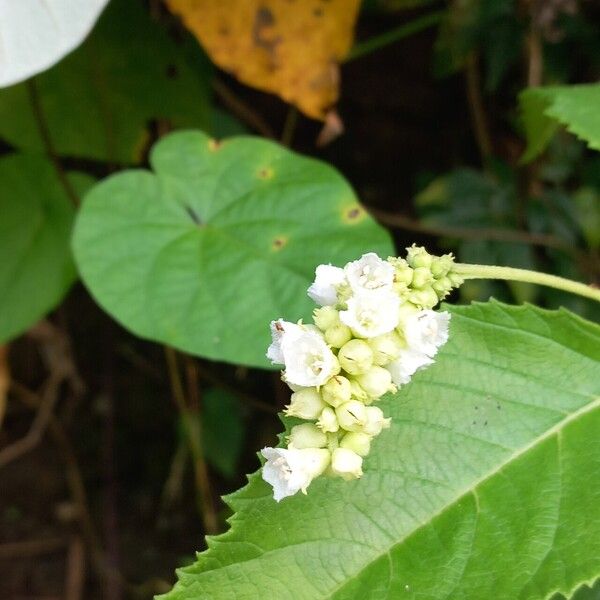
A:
472, 489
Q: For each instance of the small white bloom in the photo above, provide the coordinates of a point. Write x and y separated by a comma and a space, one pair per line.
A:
281, 330
369, 273
346, 464
324, 288
407, 363
372, 314
426, 331
290, 470
308, 359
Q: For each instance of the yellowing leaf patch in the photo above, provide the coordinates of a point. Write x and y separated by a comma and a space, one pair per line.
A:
288, 47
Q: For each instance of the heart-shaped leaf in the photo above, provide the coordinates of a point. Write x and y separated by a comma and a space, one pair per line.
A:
487, 484
36, 268
220, 240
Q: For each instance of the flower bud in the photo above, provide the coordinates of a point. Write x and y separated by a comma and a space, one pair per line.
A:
346, 464
357, 392
407, 309
328, 422
306, 435
337, 335
386, 348
422, 277
357, 442
375, 421
440, 265
351, 416
325, 317
356, 357
306, 404
442, 287
456, 279
337, 390
417, 256
376, 382
403, 273
425, 298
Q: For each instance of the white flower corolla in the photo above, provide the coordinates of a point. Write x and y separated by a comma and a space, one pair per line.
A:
324, 289
369, 273
426, 331
373, 314
289, 470
346, 463
407, 363
281, 330
308, 359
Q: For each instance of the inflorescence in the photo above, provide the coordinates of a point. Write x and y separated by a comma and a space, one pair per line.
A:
374, 329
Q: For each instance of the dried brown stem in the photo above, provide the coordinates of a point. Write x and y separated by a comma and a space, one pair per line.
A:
75, 571
477, 109
30, 548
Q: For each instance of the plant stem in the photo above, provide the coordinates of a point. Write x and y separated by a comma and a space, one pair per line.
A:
394, 35
511, 274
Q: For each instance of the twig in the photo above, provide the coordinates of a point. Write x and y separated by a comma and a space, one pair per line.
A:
395, 35
476, 108
241, 110
289, 127
192, 425
31, 548
75, 571
174, 483
32, 438
44, 132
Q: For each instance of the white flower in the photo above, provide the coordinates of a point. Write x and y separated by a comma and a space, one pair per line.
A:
346, 464
308, 359
324, 289
406, 364
290, 470
372, 314
426, 331
369, 273
281, 330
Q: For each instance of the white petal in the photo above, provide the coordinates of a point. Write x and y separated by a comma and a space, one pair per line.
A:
281, 329
370, 314
426, 331
36, 34
324, 289
308, 359
407, 363
369, 273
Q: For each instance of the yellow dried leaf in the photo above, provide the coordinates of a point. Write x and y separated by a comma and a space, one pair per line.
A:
288, 47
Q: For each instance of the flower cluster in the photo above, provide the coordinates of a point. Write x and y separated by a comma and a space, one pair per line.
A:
373, 330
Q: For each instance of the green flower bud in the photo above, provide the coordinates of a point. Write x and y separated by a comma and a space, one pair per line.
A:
442, 287
386, 348
328, 422
422, 277
417, 256
325, 317
306, 404
357, 392
375, 421
306, 435
346, 464
407, 309
356, 357
440, 265
337, 335
425, 298
337, 390
357, 442
376, 382
403, 272
456, 279
351, 416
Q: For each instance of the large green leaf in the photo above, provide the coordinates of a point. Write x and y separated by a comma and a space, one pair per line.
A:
222, 239
36, 215
99, 101
487, 484
577, 107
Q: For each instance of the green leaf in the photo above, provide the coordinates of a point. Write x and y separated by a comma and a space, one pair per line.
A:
577, 107
98, 102
36, 268
487, 484
221, 240
223, 430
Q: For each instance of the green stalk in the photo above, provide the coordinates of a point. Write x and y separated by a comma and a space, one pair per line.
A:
508, 273
394, 35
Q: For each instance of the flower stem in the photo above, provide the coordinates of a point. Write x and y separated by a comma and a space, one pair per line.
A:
508, 273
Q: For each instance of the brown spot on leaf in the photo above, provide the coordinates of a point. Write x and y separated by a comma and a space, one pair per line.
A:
214, 145
266, 173
353, 214
279, 242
